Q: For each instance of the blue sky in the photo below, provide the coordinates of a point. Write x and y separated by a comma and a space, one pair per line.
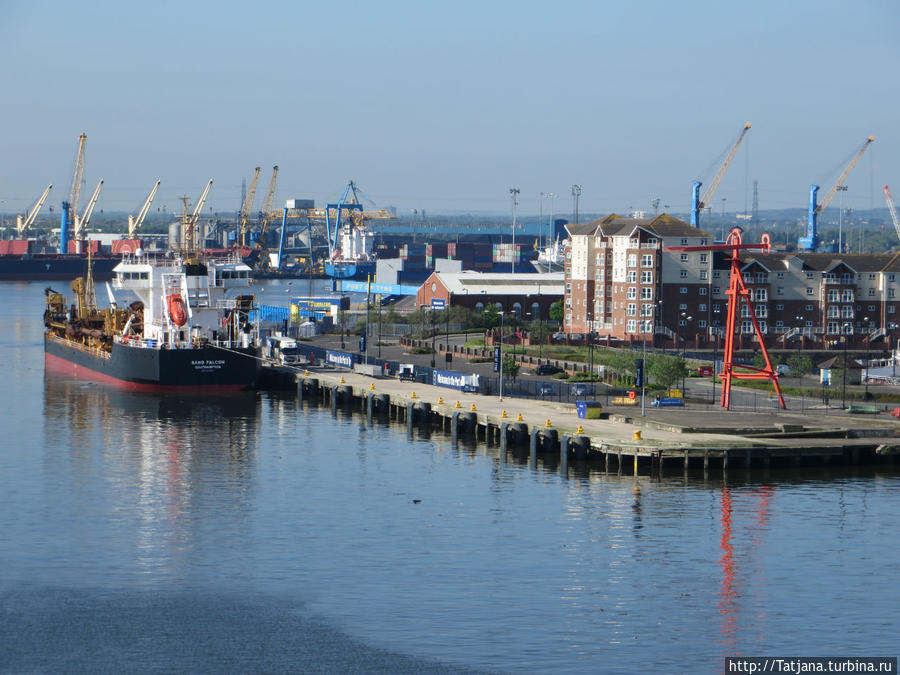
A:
447, 106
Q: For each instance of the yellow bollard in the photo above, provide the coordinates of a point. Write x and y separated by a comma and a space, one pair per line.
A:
579, 430
342, 380
440, 400
306, 372
519, 417
372, 387
458, 405
637, 435
635, 464
473, 408
547, 423
413, 395
503, 415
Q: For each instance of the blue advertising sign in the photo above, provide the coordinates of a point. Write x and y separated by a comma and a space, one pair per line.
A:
447, 378
438, 303
496, 359
342, 359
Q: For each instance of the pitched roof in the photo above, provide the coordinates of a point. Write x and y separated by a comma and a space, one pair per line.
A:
663, 225
497, 283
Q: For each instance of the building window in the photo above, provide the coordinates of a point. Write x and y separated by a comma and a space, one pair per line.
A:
779, 290
646, 261
779, 324
631, 309
847, 295
683, 290
809, 291
809, 275
809, 308
682, 322
890, 277
702, 323
871, 277
684, 257
646, 277
832, 327
780, 275
682, 306
646, 293
716, 308
702, 307
684, 242
746, 327
479, 307
632, 260
890, 309
702, 275
716, 290
870, 308
871, 292
890, 293
647, 310
834, 295
632, 293
762, 311
704, 257
834, 312
847, 312
702, 290
761, 295
683, 274
779, 308
630, 326
653, 242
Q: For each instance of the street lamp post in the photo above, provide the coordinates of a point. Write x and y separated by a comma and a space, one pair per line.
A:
466, 322
684, 319
842, 189
844, 369
644, 361
433, 330
576, 193
380, 298
551, 196
501, 355
514, 193
868, 350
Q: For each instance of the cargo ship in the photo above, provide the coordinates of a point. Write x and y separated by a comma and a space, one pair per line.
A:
20, 261
190, 329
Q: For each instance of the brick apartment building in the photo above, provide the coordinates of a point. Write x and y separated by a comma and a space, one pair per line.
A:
620, 284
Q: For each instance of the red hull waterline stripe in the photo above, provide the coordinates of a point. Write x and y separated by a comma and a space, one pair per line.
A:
57, 364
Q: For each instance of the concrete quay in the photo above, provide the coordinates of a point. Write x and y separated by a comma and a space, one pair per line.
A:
688, 437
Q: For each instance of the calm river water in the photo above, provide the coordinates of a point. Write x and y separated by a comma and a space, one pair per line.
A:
159, 533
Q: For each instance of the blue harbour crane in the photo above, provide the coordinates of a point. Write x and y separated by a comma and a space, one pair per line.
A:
698, 204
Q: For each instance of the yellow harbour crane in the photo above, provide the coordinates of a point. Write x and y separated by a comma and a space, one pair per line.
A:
247, 206
22, 224
134, 223
189, 222
70, 207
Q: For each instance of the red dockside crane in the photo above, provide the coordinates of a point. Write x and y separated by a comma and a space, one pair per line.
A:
738, 291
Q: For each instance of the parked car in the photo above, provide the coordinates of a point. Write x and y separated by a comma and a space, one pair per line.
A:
581, 389
782, 369
546, 389
547, 369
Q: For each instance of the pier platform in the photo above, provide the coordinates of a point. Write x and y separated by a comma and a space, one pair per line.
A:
686, 437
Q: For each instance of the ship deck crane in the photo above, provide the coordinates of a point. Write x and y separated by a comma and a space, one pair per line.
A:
82, 223
811, 241
350, 205
22, 224
134, 223
247, 206
698, 204
189, 222
70, 207
890, 203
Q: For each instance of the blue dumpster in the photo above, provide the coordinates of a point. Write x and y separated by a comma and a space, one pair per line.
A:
589, 410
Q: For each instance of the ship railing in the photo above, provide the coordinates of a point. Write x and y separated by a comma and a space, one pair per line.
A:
96, 351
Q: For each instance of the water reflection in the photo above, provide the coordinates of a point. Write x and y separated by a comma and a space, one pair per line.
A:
146, 465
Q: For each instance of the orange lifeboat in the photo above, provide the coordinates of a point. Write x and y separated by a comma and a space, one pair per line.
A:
176, 309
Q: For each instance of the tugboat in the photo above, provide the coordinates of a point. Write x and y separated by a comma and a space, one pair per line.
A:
190, 329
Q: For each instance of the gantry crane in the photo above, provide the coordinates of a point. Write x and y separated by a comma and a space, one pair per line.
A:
349, 207
246, 207
134, 224
811, 241
70, 207
890, 203
22, 224
698, 204
82, 223
189, 222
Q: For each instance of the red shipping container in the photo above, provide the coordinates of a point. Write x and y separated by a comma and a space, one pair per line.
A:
89, 244
15, 247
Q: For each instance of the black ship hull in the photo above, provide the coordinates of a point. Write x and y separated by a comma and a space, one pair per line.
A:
142, 368
55, 267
